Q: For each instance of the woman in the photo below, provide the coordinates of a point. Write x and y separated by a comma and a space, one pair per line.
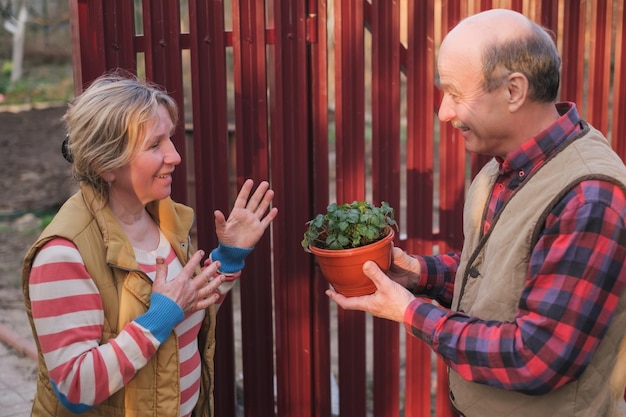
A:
122, 310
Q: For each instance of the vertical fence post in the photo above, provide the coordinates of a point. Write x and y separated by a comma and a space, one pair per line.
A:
350, 182
385, 29
618, 129
293, 287
161, 23
251, 125
573, 38
100, 44
318, 158
599, 79
211, 156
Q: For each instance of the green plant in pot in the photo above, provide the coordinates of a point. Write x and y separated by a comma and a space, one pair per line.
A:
345, 237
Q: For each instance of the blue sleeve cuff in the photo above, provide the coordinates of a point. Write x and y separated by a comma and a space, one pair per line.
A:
231, 258
162, 316
76, 408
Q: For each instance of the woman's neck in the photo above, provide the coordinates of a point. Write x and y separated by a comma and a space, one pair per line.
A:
139, 226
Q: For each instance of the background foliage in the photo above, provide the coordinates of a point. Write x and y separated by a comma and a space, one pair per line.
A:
47, 66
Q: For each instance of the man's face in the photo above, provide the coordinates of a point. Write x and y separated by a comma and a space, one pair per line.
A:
481, 116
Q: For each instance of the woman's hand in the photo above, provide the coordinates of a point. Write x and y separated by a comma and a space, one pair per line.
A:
190, 291
249, 217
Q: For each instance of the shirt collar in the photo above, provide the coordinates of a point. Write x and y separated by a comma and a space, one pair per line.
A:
532, 153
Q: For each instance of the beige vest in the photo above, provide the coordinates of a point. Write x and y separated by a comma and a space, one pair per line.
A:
492, 273
125, 292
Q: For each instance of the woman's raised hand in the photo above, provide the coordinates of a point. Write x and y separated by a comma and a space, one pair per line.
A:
249, 217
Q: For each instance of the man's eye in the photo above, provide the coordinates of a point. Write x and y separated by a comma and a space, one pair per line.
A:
454, 97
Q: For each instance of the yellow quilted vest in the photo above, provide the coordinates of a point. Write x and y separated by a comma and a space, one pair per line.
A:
125, 292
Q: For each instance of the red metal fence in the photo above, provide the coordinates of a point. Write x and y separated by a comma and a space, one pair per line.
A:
329, 101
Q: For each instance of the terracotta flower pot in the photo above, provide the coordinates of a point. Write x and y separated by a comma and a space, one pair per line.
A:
343, 268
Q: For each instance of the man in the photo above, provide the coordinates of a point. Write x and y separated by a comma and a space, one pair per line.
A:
534, 310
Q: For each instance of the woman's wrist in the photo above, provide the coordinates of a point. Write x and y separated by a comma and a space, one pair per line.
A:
231, 258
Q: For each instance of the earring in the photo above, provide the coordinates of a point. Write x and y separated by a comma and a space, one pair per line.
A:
65, 151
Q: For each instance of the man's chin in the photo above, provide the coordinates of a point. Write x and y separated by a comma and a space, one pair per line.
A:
471, 143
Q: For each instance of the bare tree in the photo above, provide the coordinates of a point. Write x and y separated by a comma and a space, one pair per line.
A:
15, 23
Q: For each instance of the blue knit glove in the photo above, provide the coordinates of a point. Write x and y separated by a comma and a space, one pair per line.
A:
231, 258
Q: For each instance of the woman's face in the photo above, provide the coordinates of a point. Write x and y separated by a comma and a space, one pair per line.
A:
148, 176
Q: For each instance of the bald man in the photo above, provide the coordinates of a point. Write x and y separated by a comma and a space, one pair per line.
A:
531, 315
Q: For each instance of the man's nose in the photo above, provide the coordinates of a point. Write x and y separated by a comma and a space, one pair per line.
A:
446, 109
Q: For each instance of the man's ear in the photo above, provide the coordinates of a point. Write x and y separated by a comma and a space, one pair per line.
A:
518, 90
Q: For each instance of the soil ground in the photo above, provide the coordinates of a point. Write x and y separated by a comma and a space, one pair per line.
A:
34, 181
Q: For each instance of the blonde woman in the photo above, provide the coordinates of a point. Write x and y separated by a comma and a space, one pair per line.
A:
121, 306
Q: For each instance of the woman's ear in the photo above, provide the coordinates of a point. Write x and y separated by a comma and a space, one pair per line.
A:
518, 90
108, 176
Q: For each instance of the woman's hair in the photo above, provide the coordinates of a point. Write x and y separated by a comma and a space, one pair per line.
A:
534, 55
106, 125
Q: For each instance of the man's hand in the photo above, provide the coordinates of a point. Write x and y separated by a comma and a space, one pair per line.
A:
405, 270
388, 302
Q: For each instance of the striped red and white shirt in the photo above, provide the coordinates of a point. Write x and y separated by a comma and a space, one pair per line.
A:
68, 316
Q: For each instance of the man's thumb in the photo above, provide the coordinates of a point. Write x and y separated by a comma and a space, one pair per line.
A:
371, 269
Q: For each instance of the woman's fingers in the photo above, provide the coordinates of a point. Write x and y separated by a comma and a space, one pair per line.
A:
242, 198
208, 272
209, 294
260, 200
191, 291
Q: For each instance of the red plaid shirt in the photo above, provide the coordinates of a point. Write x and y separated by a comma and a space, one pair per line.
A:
575, 278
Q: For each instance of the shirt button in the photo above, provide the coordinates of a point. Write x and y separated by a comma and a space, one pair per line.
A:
473, 272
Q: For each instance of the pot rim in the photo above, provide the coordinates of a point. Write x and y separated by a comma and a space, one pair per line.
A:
345, 252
